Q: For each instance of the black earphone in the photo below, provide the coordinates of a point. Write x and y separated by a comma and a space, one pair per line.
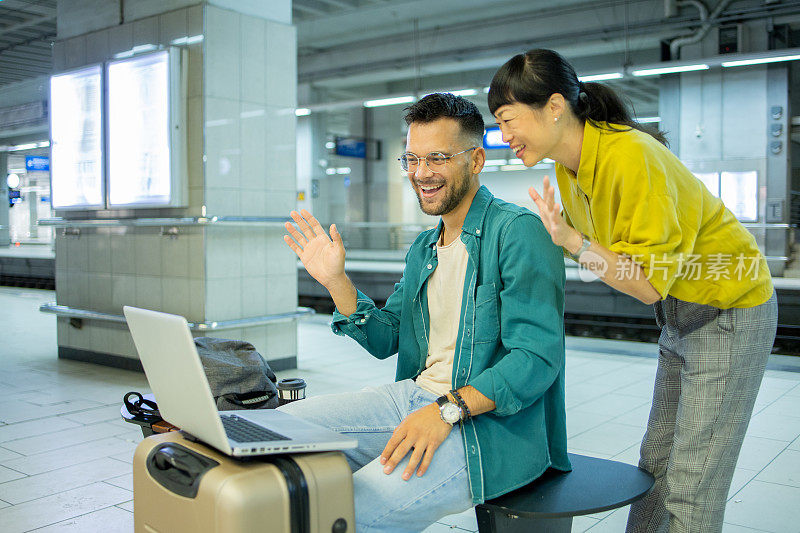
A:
140, 406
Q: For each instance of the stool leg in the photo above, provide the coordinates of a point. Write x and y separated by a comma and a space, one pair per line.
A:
493, 521
485, 521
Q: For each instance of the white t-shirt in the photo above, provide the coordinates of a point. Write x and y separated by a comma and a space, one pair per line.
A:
445, 288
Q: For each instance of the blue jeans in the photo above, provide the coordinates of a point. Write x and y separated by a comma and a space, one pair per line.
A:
386, 502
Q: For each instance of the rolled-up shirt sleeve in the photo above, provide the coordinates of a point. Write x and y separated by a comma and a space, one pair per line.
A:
377, 330
349, 324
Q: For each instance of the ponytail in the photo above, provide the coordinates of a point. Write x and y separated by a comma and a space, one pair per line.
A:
600, 103
533, 77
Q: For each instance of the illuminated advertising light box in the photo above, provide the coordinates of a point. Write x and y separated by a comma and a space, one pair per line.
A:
739, 193
710, 180
76, 139
144, 124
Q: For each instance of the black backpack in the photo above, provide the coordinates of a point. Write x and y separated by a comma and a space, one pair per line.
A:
239, 377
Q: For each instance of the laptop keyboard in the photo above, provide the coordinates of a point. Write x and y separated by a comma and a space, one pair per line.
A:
241, 430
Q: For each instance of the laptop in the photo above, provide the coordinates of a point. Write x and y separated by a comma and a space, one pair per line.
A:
176, 376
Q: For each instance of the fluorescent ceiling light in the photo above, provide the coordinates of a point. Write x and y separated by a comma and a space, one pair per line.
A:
601, 77
389, 101
188, 40
140, 49
647, 120
143, 48
486, 89
495, 162
760, 61
669, 70
340, 170
515, 161
464, 92
28, 146
252, 114
302, 111
513, 167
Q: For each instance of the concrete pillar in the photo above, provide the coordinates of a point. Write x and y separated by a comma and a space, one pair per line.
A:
669, 106
725, 125
329, 198
5, 238
778, 177
33, 213
388, 186
241, 97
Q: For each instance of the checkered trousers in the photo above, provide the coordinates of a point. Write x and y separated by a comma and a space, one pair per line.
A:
710, 366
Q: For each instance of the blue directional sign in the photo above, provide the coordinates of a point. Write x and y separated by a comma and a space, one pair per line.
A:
351, 147
37, 162
493, 138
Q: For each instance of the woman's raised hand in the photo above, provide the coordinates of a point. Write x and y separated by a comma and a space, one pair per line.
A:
323, 257
550, 211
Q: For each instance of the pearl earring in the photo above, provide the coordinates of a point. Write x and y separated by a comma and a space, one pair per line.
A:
555, 119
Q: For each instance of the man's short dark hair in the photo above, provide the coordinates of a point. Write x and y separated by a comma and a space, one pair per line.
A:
445, 105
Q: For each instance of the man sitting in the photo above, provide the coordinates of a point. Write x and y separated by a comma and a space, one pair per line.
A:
477, 408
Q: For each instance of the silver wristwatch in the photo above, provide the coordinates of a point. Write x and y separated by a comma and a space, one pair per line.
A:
585, 246
449, 411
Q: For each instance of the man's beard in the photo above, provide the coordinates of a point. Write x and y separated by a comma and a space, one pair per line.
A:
451, 200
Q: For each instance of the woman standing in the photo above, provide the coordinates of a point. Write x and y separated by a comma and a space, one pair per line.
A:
635, 216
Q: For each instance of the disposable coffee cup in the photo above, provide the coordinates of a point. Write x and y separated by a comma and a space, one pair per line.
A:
290, 390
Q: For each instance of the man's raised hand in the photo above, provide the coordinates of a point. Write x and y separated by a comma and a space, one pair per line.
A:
322, 256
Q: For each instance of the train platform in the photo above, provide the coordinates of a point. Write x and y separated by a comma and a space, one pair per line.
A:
65, 455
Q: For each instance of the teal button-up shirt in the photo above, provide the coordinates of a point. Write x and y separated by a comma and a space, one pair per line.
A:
510, 345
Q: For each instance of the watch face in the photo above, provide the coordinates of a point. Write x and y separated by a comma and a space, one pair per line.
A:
451, 413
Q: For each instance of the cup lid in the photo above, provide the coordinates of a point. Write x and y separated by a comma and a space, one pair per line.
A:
291, 384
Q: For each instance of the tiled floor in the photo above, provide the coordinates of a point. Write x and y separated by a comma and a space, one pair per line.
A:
65, 454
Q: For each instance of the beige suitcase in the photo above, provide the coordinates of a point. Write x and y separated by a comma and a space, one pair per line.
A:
184, 486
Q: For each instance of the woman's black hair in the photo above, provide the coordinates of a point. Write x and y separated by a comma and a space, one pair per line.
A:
533, 77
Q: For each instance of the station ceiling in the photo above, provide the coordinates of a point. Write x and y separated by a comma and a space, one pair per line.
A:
357, 49
375, 49
27, 27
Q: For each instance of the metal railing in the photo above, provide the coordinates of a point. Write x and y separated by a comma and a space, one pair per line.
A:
85, 314
59, 222
379, 235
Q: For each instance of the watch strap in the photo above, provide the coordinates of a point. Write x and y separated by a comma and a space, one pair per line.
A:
584, 246
441, 400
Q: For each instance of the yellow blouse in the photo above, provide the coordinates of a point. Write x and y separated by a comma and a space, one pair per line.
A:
634, 197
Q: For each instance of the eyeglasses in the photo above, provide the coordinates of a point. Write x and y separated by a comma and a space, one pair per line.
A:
434, 160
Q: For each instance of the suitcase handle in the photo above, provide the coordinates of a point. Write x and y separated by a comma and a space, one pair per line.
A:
167, 458
178, 468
